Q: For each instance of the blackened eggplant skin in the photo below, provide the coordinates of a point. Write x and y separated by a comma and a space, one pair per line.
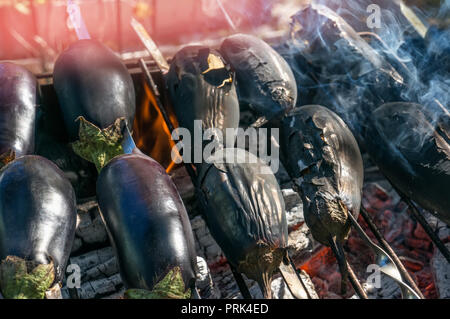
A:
37, 212
18, 104
323, 158
201, 87
265, 82
146, 221
413, 150
91, 81
245, 213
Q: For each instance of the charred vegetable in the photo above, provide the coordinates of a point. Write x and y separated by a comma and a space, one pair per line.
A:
201, 87
244, 210
91, 81
351, 77
265, 81
37, 226
412, 148
18, 99
148, 227
323, 158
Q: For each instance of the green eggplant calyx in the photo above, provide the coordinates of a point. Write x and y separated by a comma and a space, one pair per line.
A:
97, 145
22, 279
170, 287
7, 157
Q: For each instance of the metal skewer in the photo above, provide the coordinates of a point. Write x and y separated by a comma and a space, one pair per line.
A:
422, 221
346, 270
355, 283
401, 268
386, 264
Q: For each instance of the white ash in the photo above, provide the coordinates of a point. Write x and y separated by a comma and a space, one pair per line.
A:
389, 289
441, 272
440, 266
204, 281
100, 287
90, 227
96, 264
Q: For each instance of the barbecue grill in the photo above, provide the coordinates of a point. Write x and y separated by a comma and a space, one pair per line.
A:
151, 131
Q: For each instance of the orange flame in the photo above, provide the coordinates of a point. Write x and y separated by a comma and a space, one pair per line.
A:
151, 134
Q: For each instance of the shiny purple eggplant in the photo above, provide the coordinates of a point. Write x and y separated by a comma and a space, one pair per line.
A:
147, 223
91, 81
37, 225
18, 104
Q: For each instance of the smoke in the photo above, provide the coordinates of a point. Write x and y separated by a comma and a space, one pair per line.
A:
342, 61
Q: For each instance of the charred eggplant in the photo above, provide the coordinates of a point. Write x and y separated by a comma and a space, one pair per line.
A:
37, 226
148, 227
18, 103
412, 148
91, 81
265, 81
322, 157
244, 211
201, 87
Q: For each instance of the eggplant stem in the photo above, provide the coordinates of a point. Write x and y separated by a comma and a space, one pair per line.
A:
170, 287
338, 251
97, 145
265, 283
23, 279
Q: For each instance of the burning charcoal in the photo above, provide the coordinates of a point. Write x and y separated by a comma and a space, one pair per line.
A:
265, 81
324, 160
201, 87
412, 149
18, 98
245, 213
38, 219
91, 81
148, 227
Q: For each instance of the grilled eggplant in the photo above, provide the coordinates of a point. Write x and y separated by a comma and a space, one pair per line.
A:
265, 81
412, 148
351, 77
91, 81
37, 226
322, 157
148, 227
201, 87
18, 101
244, 211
